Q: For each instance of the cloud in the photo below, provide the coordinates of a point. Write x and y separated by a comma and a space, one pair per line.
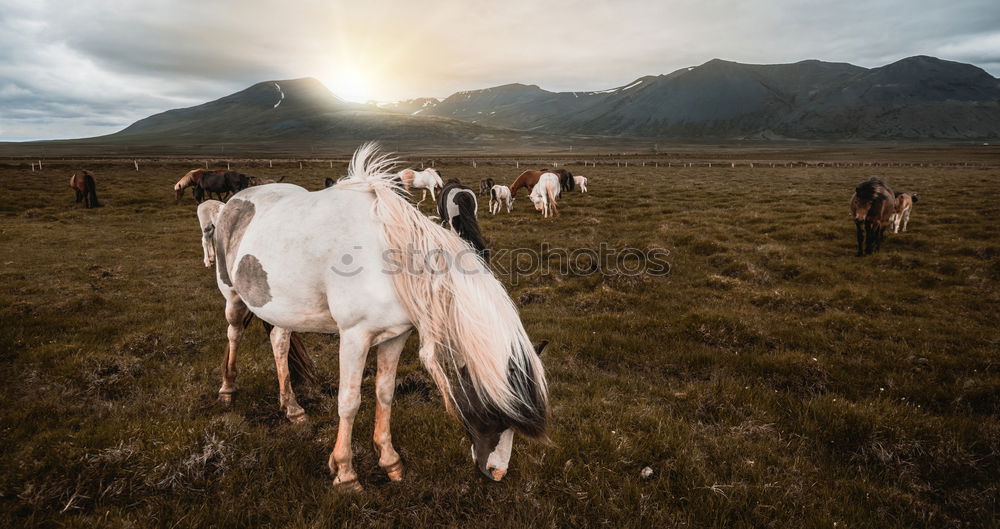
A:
71, 68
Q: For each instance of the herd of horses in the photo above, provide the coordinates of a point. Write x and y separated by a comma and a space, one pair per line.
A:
223, 183
388, 270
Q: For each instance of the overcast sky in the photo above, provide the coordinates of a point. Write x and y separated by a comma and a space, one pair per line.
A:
88, 67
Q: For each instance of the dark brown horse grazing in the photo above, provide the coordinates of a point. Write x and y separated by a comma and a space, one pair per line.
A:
86, 189
872, 208
485, 186
566, 181
223, 184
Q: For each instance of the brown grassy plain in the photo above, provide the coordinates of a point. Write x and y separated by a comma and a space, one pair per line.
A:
771, 379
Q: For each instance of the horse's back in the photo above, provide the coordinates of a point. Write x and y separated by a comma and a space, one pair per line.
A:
305, 261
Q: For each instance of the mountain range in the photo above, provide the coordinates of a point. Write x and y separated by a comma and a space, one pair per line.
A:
917, 98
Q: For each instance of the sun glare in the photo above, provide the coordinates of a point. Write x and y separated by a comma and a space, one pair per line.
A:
348, 84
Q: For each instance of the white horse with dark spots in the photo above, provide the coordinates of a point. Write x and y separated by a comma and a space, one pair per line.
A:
500, 195
545, 193
428, 180
359, 260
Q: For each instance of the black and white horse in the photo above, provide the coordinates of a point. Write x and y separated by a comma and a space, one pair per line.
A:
457, 205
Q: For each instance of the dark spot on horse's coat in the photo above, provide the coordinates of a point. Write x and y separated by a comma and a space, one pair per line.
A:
229, 230
251, 282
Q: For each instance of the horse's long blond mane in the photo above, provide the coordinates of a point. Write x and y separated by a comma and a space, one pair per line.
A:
462, 313
187, 180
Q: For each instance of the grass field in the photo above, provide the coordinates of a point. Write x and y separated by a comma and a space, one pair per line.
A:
771, 379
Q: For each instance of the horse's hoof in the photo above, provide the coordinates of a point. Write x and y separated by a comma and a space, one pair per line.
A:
395, 471
226, 399
301, 418
347, 487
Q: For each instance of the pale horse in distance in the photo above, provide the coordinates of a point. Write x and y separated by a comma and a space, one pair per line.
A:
545, 193
428, 180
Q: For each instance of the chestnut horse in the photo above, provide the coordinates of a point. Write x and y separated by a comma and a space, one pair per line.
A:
904, 204
86, 189
190, 179
529, 178
872, 208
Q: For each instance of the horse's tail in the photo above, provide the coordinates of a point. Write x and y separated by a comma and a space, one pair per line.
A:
570, 181
468, 226
468, 325
300, 365
90, 188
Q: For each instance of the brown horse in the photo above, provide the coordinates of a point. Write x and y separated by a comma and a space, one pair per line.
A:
904, 204
190, 179
485, 185
260, 180
872, 208
86, 189
222, 183
527, 180
566, 181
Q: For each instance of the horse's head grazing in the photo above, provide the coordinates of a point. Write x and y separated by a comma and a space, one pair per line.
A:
492, 439
186, 181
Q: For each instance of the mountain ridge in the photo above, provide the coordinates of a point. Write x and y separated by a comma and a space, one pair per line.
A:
915, 98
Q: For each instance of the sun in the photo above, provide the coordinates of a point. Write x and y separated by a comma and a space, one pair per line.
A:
349, 84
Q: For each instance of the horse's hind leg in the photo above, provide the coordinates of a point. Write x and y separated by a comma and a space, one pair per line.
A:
385, 384
906, 219
236, 315
280, 342
354, 346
